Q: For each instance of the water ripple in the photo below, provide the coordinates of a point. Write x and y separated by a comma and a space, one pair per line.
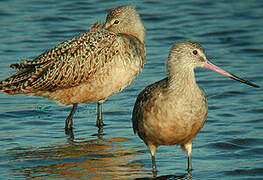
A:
32, 136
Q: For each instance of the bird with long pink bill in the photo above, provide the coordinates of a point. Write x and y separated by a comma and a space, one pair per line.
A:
173, 110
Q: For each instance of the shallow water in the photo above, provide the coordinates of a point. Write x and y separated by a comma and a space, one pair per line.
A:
32, 139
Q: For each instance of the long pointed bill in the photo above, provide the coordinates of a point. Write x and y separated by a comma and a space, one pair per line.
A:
213, 67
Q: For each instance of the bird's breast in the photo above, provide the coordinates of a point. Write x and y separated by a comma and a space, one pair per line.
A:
175, 120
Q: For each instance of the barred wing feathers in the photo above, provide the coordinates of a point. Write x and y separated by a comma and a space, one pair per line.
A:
66, 65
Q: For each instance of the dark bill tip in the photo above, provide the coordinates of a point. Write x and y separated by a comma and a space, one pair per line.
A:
243, 81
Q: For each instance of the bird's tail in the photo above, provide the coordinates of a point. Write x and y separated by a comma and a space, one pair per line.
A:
16, 83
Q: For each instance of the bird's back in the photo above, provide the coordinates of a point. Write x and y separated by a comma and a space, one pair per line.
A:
65, 65
74, 62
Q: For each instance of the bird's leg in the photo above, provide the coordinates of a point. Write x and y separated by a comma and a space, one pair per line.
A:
99, 115
100, 132
153, 164
188, 149
68, 121
152, 149
70, 133
189, 169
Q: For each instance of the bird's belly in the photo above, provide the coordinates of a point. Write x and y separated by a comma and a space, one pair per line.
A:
169, 128
103, 84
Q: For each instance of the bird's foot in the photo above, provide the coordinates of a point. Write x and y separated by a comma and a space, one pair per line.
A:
99, 123
69, 132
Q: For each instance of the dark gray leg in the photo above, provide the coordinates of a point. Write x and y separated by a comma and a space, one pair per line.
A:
99, 116
154, 169
189, 169
68, 121
188, 148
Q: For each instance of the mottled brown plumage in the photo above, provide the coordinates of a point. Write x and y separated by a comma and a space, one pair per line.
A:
173, 110
89, 68
97, 25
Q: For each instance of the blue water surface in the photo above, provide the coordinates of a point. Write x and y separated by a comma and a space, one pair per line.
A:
230, 145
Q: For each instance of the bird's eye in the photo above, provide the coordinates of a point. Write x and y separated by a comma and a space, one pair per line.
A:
195, 52
116, 22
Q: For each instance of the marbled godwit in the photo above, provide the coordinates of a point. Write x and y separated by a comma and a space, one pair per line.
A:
174, 109
88, 68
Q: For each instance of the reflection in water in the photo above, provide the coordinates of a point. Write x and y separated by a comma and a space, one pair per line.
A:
234, 39
70, 133
183, 176
100, 158
93, 159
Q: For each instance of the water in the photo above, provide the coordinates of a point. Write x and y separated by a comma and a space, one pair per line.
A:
32, 139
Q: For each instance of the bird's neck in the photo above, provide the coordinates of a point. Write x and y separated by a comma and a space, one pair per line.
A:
182, 81
138, 31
